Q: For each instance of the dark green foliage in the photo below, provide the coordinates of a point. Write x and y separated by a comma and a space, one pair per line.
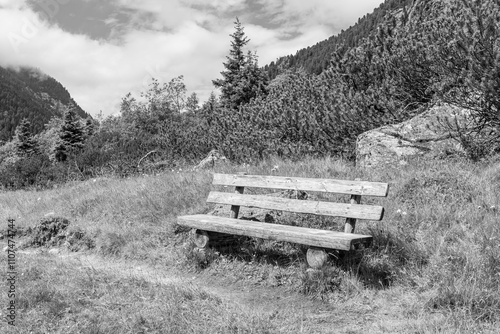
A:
90, 127
192, 103
468, 62
25, 143
71, 136
302, 115
71, 130
92, 160
242, 80
32, 171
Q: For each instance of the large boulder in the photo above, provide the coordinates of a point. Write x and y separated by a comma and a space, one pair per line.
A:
427, 135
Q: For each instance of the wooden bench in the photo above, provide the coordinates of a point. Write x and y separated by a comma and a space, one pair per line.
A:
208, 227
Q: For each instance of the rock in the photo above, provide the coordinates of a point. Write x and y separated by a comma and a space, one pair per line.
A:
426, 135
212, 158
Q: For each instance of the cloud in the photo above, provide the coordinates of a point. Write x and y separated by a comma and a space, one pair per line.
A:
161, 39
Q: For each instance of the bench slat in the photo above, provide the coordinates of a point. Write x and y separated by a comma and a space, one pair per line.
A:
364, 188
295, 234
358, 211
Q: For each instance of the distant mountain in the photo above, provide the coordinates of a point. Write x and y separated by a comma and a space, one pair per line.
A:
316, 58
30, 93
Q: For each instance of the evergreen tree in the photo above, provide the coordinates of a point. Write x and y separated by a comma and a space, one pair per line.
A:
243, 79
252, 80
192, 103
90, 127
71, 135
210, 105
26, 144
211, 120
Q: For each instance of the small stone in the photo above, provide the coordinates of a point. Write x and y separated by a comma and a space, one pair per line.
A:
214, 156
54, 251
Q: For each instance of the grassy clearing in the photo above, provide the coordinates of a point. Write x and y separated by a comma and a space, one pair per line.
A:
436, 251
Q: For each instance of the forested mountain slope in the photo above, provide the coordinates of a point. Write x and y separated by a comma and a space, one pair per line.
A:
314, 59
29, 93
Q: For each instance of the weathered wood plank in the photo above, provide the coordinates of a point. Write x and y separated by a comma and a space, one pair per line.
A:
295, 234
370, 212
364, 188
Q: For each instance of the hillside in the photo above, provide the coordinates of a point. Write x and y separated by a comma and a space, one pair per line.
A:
314, 59
29, 93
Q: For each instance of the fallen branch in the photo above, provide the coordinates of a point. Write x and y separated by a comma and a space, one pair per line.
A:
144, 157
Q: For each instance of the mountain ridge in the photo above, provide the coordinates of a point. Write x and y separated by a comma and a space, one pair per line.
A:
27, 92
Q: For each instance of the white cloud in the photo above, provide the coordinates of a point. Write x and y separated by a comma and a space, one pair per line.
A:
10, 4
176, 37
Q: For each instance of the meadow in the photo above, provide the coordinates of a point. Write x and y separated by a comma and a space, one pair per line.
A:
434, 266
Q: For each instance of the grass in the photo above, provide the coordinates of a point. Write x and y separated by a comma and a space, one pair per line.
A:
67, 297
436, 252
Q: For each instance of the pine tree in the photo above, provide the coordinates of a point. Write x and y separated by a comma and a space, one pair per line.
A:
71, 135
90, 127
192, 103
243, 79
26, 144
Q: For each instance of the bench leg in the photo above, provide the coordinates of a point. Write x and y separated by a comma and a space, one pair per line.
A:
204, 239
316, 257
201, 239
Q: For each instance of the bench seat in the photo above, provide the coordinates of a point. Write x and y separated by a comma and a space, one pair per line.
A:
301, 235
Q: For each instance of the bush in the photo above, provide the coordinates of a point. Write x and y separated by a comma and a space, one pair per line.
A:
35, 172
48, 232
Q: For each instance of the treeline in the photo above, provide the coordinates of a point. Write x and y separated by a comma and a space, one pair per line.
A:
432, 51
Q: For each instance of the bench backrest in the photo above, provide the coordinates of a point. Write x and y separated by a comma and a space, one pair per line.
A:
352, 210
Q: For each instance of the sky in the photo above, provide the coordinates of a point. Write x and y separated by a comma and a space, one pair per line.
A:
102, 49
